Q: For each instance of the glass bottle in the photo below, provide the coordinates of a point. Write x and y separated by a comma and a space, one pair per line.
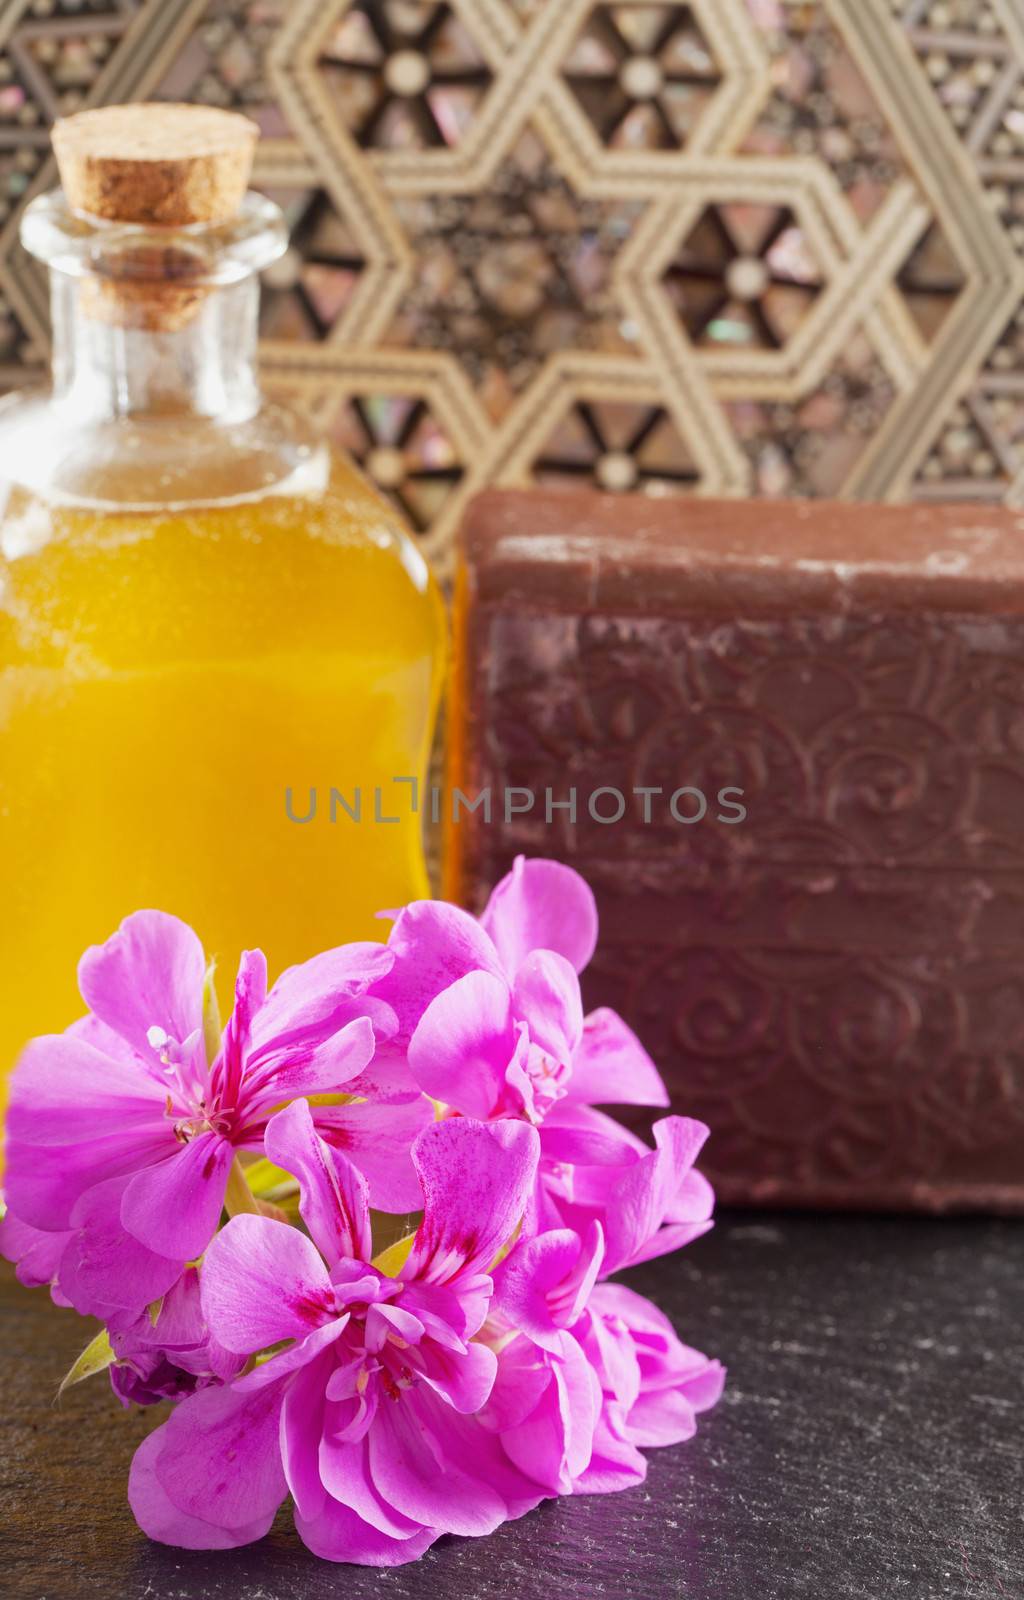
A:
216, 640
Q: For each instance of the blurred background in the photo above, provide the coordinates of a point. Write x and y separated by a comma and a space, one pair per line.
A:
727, 247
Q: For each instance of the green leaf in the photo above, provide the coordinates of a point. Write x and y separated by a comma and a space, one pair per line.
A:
268, 1182
96, 1357
391, 1261
238, 1197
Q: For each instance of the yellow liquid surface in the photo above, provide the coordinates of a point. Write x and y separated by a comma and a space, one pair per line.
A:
164, 678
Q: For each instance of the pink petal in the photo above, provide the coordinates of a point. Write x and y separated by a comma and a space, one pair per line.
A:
611, 1066
671, 1236
327, 1069
386, 1319
680, 1140
546, 995
521, 1382
694, 1199
180, 1324
158, 1517
262, 1282
64, 1091
103, 1270
303, 1353
176, 1343
334, 1204
310, 1002
36, 1252
688, 1213
464, 1042
387, 1079
473, 1481
579, 1136
662, 1383
670, 1416
220, 1459
464, 1381
541, 905
580, 1406
642, 1195
148, 974
526, 1275
610, 1347
704, 1380
250, 993
614, 1464
92, 1031
378, 1140
433, 944
544, 1283
451, 1314
425, 1476
636, 1313
476, 1180
662, 1419
345, 1473
338, 1534
572, 1295
302, 1424
175, 1206
555, 1442
45, 1182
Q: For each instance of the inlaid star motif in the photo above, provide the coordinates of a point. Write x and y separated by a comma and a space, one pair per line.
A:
642, 75
862, 339
619, 447
404, 76
743, 275
509, 275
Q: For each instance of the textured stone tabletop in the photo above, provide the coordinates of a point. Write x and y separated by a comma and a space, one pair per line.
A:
870, 1446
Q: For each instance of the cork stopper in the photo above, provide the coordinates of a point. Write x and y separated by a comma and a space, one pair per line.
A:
158, 167
164, 166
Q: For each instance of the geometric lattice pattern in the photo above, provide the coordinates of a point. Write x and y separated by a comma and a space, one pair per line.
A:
714, 247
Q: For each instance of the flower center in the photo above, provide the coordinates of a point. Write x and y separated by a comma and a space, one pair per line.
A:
377, 1350
547, 1080
190, 1104
202, 1121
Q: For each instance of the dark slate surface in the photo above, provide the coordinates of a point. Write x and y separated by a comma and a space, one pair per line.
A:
869, 1446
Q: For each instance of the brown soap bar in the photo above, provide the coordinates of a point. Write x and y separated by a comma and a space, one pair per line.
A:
835, 980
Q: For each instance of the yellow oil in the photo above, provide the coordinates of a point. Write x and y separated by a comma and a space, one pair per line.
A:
165, 678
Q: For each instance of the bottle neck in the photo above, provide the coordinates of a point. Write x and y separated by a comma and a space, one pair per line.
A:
203, 364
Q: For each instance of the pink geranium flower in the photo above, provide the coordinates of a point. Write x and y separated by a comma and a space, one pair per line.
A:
653, 1387
494, 1021
169, 1355
587, 1372
546, 1399
367, 1417
452, 1381
123, 1130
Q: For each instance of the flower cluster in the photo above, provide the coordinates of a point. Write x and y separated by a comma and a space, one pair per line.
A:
478, 1363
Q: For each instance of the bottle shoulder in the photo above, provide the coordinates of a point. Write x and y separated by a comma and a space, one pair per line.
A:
66, 454
315, 566
74, 477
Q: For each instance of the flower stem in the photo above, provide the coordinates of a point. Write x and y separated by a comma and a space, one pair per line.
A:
239, 1197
